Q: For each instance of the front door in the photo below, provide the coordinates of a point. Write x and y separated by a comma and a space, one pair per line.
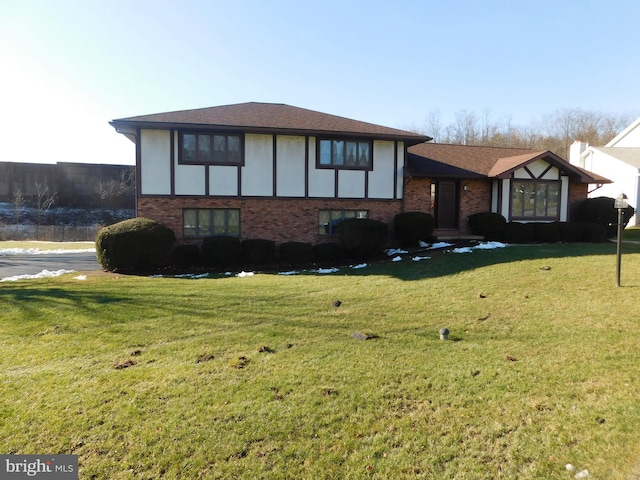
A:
446, 204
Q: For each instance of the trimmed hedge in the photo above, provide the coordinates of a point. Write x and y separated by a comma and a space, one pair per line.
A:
547, 232
571, 232
185, 256
258, 251
517, 232
328, 252
594, 233
363, 237
221, 251
134, 245
601, 210
489, 225
411, 227
296, 253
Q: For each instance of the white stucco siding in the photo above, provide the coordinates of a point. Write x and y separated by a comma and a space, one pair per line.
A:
189, 179
626, 179
564, 198
321, 180
155, 162
506, 199
539, 171
351, 184
290, 166
257, 173
382, 177
400, 171
223, 180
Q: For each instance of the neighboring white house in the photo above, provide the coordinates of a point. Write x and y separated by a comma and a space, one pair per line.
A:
618, 160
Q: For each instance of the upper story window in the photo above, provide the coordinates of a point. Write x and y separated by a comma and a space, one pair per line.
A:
535, 200
339, 153
210, 148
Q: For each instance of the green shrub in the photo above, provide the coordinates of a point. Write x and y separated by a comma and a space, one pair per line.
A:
185, 256
601, 210
328, 252
594, 233
134, 245
411, 227
546, 232
571, 232
489, 225
516, 232
296, 253
363, 237
221, 251
258, 251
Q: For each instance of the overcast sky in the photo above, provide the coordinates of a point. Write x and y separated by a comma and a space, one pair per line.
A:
70, 66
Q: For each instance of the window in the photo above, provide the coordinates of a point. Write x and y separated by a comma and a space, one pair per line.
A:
330, 219
534, 200
203, 222
345, 154
205, 148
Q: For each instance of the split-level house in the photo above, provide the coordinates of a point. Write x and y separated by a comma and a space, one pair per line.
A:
274, 171
619, 160
260, 170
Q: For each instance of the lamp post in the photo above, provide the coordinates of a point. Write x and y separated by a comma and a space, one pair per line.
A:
620, 203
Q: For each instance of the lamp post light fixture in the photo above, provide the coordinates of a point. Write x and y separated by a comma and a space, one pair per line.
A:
620, 203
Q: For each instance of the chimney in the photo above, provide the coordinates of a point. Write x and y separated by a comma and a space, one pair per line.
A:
576, 150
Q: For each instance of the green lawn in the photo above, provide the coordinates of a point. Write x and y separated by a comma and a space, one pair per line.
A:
261, 377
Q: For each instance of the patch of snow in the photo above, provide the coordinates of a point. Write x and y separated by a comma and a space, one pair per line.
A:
245, 274
361, 265
422, 244
290, 272
440, 245
462, 250
490, 245
80, 277
37, 251
42, 274
192, 275
395, 251
397, 259
327, 270
417, 259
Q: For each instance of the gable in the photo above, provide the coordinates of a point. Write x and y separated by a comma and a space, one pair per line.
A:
629, 137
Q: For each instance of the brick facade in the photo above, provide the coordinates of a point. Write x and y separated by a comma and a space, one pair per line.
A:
276, 219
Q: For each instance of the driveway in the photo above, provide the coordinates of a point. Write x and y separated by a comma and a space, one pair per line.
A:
12, 265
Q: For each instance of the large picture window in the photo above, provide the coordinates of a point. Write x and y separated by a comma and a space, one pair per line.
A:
535, 200
345, 154
329, 220
206, 222
206, 148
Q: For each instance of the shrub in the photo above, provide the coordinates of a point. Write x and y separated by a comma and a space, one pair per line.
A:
221, 251
134, 245
546, 232
489, 225
185, 256
296, 253
363, 237
571, 232
411, 227
258, 251
516, 232
594, 232
601, 210
328, 252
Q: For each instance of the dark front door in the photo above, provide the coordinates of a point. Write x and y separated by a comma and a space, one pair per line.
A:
446, 204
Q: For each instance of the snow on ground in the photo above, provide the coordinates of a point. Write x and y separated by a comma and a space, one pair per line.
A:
42, 274
37, 251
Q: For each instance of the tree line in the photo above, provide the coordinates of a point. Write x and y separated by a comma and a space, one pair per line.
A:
555, 132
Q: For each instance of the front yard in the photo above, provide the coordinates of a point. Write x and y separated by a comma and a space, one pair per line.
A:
262, 376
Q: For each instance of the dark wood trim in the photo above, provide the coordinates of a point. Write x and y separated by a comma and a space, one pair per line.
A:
239, 191
549, 167
172, 168
306, 166
343, 139
395, 171
274, 164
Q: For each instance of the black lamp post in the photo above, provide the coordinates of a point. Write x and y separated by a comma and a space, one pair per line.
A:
620, 203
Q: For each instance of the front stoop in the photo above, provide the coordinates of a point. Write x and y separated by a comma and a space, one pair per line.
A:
450, 234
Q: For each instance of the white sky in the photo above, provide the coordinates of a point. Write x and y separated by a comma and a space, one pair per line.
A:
68, 67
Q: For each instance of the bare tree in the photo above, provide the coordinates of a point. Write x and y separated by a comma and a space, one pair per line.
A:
112, 191
45, 199
19, 203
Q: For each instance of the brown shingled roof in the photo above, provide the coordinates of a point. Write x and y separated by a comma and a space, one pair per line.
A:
267, 117
430, 159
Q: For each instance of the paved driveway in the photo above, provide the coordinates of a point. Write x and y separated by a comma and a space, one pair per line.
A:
12, 265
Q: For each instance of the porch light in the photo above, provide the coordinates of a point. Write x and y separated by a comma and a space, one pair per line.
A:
620, 203
465, 188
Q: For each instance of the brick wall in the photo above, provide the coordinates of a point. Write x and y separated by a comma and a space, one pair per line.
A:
577, 193
274, 219
476, 199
